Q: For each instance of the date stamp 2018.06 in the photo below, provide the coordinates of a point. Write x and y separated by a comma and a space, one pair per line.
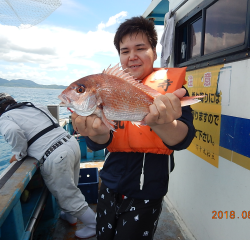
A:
230, 215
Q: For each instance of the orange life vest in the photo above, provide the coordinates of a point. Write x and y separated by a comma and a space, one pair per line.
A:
129, 137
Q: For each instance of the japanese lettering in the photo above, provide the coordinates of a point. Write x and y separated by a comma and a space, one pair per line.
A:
165, 84
205, 152
207, 79
209, 97
205, 117
190, 81
205, 137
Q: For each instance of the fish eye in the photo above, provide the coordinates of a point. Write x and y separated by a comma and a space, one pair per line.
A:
80, 89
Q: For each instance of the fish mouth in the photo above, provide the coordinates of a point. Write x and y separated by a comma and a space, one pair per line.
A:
66, 102
62, 104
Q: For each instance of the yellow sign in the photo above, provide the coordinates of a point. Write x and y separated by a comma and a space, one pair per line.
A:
207, 113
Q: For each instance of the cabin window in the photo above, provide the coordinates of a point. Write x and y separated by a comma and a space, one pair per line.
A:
195, 38
189, 43
183, 45
225, 25
215, 27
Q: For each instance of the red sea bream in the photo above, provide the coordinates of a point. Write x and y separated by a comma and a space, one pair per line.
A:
112, 95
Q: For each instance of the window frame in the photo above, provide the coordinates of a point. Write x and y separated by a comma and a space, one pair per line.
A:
222, 56
197, 18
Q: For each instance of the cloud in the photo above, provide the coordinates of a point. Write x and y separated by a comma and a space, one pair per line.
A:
48, 44
116, 19
213, 43
56, 55
50, 48
159, 29
113, 20
26, 73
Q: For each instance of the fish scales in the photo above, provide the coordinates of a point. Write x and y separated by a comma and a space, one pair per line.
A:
122, 100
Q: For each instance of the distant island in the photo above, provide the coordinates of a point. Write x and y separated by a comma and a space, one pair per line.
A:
27, 84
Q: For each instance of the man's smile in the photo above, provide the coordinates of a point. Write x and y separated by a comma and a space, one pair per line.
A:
134, 66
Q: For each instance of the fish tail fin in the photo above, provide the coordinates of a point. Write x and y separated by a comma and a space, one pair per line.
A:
185, 101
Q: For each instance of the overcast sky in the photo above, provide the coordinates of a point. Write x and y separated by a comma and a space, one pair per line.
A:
74, 41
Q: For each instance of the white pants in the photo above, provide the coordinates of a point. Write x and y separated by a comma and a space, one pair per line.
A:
60, 172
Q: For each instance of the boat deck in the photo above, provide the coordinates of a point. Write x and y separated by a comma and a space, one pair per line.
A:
169, 227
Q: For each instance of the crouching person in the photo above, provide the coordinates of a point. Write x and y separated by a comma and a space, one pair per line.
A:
31, 130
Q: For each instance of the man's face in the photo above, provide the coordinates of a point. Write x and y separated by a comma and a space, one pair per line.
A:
137, 55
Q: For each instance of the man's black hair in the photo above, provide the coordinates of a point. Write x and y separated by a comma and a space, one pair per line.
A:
136, 25
5, 100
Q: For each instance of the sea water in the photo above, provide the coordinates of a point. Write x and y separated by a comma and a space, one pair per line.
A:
34, 95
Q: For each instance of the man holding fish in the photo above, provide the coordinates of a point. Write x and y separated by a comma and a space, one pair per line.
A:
140, 144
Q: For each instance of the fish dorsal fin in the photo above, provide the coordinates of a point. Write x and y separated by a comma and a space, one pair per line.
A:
116, 71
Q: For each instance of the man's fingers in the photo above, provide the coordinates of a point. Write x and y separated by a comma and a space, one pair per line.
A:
73, 118
74, 115
88, 125
80, 124
154, 111
97, 123
165, 109
180, 92
160, 104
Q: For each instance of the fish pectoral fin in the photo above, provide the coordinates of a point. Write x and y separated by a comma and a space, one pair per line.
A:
109, 123
138, 124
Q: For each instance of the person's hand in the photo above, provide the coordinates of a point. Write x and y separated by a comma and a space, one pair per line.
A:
91, 126
13, 158
165, 109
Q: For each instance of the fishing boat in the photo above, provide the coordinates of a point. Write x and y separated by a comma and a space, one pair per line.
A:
208, 196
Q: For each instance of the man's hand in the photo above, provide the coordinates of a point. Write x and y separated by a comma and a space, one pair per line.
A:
13, 159
91, 126
162, 117
165, 109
